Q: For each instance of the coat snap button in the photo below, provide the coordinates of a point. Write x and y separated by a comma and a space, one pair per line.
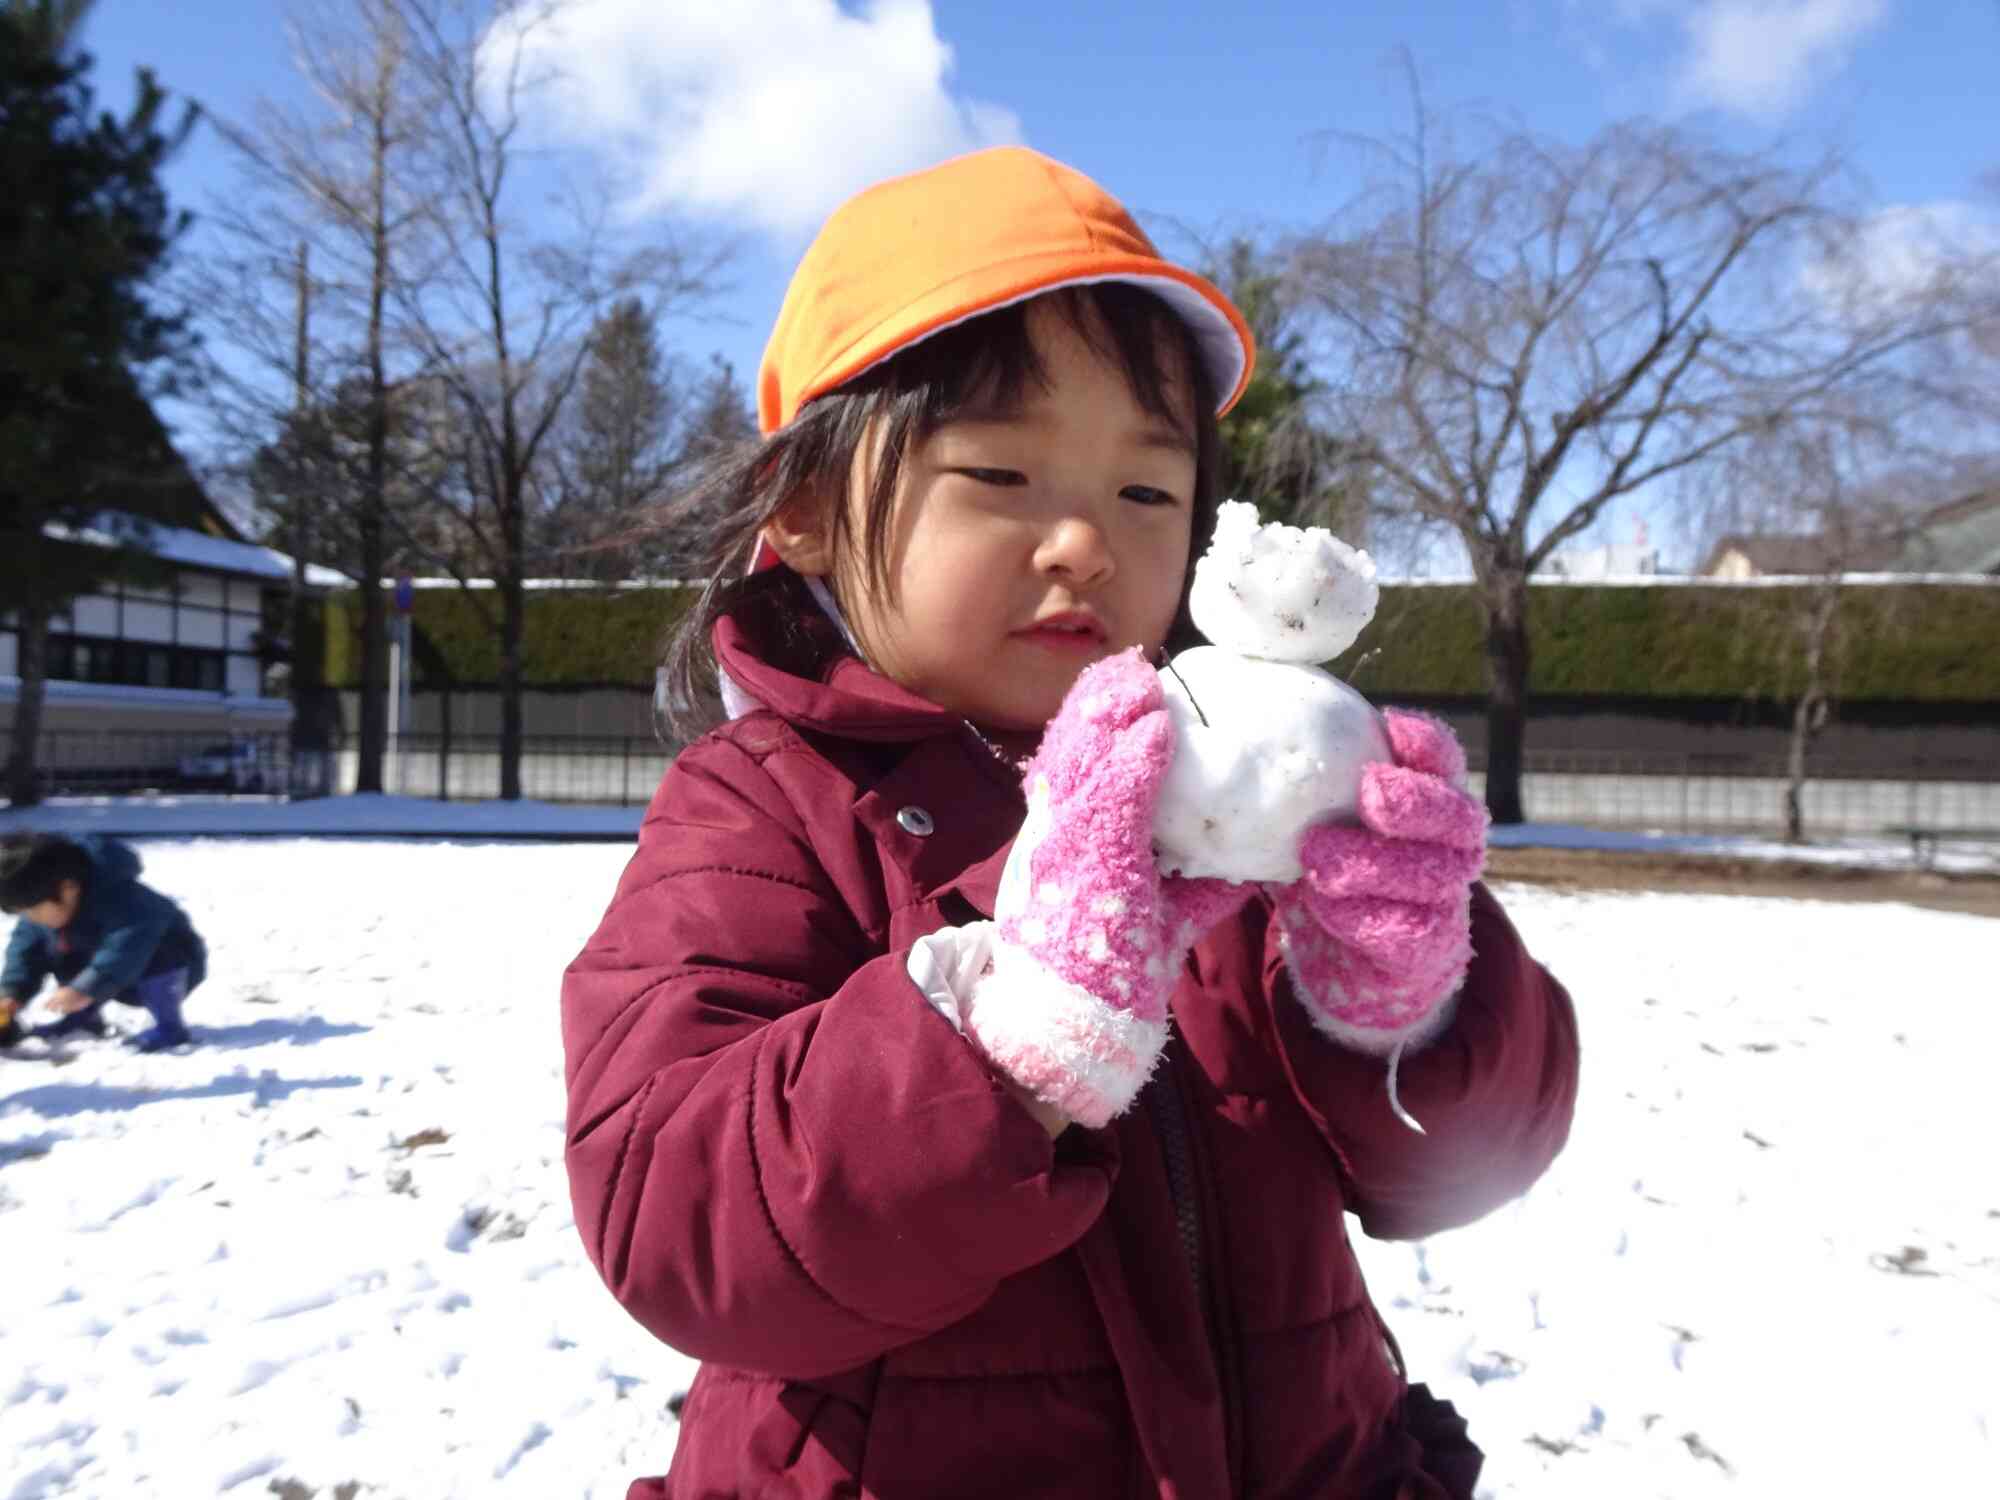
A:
916, 820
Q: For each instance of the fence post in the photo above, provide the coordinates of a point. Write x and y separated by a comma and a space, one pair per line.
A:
444, 744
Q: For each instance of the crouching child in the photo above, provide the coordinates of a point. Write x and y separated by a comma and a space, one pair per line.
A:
88, 923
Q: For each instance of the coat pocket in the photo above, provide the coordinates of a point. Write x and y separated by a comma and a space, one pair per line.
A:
744, 1434
1001, 1437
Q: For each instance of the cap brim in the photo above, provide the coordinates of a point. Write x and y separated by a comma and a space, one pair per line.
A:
1220, 334
1219, 331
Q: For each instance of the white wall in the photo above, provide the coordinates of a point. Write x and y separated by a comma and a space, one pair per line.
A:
201, 627
95, 615
148, 622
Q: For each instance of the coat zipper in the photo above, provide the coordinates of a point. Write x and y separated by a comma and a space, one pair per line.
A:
1170, 1121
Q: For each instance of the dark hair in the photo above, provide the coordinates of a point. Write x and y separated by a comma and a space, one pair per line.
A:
33, 867
990, 358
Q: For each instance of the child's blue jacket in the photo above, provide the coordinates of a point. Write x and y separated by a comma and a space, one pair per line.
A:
123, 931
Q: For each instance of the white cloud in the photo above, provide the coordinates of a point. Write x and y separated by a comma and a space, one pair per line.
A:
765, 112
1759, 58
1762, 57
1904, 252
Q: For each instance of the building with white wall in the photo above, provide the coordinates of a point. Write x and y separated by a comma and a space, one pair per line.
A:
143, 667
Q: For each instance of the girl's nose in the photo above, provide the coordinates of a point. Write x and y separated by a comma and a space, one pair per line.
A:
1075, 548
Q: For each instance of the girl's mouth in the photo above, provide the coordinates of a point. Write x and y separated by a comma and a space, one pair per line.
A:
1066, 632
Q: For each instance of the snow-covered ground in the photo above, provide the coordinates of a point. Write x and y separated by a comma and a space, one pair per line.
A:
329, 1249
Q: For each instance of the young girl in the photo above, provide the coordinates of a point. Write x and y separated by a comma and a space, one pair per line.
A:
980, 1165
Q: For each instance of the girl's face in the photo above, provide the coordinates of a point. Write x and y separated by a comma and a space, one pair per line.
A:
1025, 543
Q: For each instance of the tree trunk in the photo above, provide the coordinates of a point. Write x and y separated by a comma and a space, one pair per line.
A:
1809, 716
303, 723
23, 784
374, 638
375, 499
1810, 708
1506, 694
308, 728
513, 623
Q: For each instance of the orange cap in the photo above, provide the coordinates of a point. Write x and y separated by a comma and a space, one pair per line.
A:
917, 254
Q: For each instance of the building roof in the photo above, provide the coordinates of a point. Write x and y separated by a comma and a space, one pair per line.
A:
1782, 553
1962, 537
193, 549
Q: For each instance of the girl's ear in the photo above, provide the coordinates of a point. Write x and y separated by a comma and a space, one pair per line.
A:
802, 536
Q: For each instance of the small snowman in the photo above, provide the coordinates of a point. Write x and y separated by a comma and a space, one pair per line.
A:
1267, 743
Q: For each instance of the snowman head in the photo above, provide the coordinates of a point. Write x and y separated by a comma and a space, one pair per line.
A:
1267, 744
1280, 593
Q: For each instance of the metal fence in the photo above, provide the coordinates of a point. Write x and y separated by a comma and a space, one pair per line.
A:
1673, 793
621, 770
110, 762
1665, 792
1677, 794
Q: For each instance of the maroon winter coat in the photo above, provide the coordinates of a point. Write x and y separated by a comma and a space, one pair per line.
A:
786, 1163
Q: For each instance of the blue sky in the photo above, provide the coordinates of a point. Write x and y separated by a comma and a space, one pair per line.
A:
758, 115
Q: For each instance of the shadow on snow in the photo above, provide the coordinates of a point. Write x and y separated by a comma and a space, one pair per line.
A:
274, 1030
56, 1100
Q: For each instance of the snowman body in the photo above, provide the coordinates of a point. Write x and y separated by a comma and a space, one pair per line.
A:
1267, 744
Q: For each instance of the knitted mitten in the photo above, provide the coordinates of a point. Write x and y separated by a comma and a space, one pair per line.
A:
1377, 933
1091, 939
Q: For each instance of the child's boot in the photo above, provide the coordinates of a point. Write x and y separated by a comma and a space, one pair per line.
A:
10, 1029
86, 1022
162, 996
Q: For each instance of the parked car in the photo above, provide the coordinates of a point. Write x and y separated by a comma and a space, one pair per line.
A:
230, 765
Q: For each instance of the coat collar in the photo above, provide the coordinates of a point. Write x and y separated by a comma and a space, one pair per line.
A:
782, 650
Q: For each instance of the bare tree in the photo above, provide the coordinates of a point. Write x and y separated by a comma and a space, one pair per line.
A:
1847, 493
721, 419
336, 176
613, 451
1277, 449
1526, 334
502, 313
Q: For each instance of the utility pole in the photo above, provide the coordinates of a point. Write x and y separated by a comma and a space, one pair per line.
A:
307, 735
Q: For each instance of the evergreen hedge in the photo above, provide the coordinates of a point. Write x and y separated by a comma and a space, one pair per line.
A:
1925, 643
573, 638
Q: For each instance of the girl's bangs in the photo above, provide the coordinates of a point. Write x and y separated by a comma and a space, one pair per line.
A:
990, 360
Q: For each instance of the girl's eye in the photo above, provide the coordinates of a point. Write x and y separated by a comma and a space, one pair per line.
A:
995, 476
1145, 494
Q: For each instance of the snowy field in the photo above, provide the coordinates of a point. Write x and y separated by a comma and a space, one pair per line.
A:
328, 1252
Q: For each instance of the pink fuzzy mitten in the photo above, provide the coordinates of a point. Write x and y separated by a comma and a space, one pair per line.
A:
1377, 933
1091, 937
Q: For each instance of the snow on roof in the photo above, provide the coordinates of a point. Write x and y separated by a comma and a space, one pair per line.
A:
194, 549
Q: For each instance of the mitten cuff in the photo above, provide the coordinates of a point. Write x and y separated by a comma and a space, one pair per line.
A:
1060, 1042
1355, 1009
1377, 1041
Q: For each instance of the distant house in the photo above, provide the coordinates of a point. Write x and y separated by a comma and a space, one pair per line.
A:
180, 654
1768, 555
1594, 564
1962, 537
